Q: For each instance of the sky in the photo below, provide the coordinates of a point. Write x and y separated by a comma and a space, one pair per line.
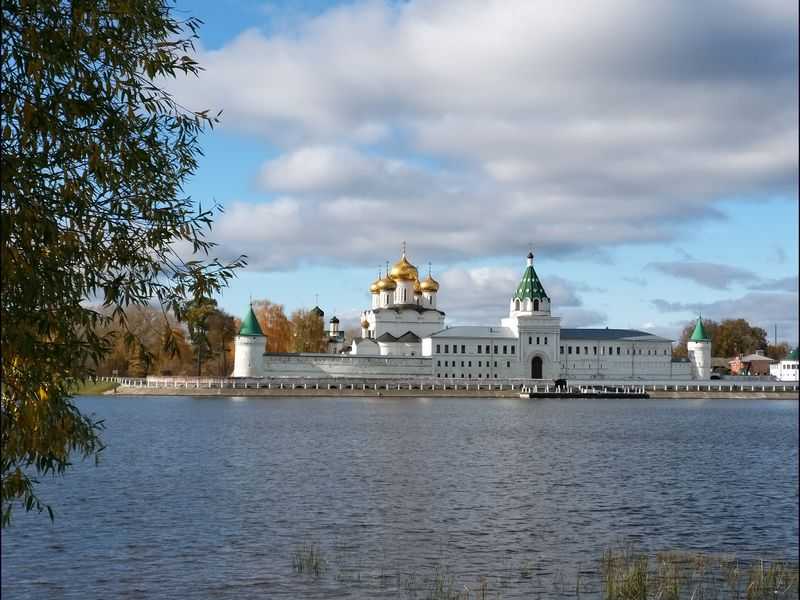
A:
646, 151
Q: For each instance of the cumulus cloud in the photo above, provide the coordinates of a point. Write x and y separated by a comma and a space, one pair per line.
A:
481, 295
712, 275
764, 309
786, 284
561, 125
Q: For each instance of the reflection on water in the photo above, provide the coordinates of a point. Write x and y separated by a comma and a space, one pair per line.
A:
209, 497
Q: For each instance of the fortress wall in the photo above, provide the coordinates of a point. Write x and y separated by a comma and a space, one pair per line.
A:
328, 365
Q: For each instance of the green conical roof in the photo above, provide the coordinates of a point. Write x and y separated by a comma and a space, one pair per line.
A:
530, 287
699, 334
793, 354
250, 324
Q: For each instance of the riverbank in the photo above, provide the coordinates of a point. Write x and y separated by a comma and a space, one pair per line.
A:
417, 393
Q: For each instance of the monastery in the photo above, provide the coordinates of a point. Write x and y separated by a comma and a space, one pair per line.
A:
403, 334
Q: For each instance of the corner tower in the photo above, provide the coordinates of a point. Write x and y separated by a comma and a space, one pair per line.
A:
249, 348
699, 350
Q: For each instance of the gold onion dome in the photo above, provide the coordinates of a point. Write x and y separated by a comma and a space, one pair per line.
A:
365, 324
404, 270
417, 288
429, 284
387, 284
374, 288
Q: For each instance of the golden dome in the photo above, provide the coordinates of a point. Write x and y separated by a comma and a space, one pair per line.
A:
429, 284
387, 284
374, 288
365, 324
403, 270
417, 288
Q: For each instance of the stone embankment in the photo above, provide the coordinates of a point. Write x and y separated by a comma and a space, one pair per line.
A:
429, 387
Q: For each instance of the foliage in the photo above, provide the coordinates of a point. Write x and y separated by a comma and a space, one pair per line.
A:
728, 338
308, 332
778, 351
274, 324
95, 156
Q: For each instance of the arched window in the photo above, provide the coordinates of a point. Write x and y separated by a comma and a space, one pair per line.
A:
516, 304
535, 305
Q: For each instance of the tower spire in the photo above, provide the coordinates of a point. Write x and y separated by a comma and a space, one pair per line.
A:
403, 246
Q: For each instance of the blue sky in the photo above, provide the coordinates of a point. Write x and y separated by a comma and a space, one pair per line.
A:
648, 151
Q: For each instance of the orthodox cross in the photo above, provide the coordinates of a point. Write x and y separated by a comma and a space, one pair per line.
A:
404, 247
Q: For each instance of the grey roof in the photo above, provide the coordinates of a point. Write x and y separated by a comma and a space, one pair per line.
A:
359, 340
386, 337
611, 335
755, 358
409, 336
475, 331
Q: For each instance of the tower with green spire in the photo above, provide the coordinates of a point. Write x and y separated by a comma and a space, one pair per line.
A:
250, 345
699, 350
529, 320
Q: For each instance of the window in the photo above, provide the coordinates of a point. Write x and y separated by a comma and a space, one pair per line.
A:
479, 348
628, 351
586, 349
545, 340
577, 349
480, 376
594, 350
462, 364
569, 349
640, 351
495, 375
462, 376
495, 348
648, 353
488, 351
610, 350
446, 364
505, 349
445, 374
561, 350
463, 349
516, 304
446, 349
508, 364
438, 349
438, 363
530, 340
665, 352
469, 375
537, 340
480, 363
618, 350
495, 364
455, 349
535, 305
513, 348
469, 364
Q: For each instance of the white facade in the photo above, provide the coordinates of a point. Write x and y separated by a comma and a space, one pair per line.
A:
787, 369
248, 358
403, 333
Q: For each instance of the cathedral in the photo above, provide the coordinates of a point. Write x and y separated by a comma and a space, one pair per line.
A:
403, 334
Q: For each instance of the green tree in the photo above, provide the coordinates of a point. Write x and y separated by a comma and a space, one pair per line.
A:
95, 156
197, 313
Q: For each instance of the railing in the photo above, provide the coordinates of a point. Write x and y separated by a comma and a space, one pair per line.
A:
432, 384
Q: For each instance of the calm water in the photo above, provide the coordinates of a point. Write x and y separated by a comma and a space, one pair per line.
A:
208, 497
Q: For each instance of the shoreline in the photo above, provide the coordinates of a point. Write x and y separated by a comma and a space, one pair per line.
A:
416, 393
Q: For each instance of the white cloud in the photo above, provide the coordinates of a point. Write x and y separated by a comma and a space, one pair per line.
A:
561, 124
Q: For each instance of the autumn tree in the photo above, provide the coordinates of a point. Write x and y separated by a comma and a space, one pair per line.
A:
308, 332
95, 158
728, 337
778, 351
275, 325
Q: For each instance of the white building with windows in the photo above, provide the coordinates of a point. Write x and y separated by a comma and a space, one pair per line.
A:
403, 334
787, 369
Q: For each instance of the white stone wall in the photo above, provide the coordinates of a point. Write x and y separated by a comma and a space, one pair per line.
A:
608, 359
248, 356
326, 365
700, 357
458, 357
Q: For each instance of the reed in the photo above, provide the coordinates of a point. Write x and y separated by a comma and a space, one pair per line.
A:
308, 560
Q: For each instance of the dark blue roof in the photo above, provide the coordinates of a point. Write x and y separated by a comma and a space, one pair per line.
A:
610, 335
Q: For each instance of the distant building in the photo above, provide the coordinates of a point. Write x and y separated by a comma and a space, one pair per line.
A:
787, 369
751, 364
